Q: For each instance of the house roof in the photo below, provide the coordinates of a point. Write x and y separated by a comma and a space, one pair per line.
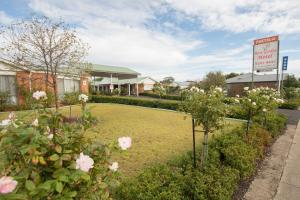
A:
113, 69
116, 81
247, 78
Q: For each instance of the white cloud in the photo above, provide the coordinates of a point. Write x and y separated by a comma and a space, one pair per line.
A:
279, 16
4, 18
118, 33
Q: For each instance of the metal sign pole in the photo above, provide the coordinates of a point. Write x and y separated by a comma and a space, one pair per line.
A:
278, 83
252, 78
194, 143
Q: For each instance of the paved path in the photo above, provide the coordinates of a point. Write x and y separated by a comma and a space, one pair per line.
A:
289, 186
279, 177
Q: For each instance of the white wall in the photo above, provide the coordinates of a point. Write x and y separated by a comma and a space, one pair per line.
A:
148, 84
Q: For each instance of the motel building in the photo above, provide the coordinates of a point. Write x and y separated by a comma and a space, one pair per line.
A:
235, 86
106, 79
17, 81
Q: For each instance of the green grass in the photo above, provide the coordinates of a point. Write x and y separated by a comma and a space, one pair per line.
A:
157, 135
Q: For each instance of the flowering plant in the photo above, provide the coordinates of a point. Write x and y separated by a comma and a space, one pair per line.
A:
50, 159
208, 109
259, 102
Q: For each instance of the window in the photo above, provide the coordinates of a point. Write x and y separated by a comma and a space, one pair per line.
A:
67, 85
8, 84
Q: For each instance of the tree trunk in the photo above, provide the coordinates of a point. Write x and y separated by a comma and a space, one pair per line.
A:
248, 123
70, 113
204, 152
55, 92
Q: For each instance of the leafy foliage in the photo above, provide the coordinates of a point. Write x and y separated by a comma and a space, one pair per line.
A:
42, 157
171, 105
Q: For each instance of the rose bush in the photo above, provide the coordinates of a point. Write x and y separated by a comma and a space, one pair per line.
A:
51, 159
259, 104
208, 110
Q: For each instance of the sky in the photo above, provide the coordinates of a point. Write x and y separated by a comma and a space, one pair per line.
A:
185, 39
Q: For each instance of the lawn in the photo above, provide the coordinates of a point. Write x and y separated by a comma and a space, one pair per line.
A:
157, 135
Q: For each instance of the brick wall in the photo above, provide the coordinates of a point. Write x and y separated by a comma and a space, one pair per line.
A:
84, 84
238, 88
38, 83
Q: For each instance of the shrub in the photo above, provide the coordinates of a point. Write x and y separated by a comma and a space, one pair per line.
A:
292, 105
291, 92
237, 154
215, 183
259, 138
159, 182
169, 97
230, 160
275, 124
70, 98
51, 159
135, 101
4, 97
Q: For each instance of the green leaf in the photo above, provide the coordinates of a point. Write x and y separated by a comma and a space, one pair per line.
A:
54, 157
59, 187
71, 194
46, 185
85, 176
29, 185
58, 148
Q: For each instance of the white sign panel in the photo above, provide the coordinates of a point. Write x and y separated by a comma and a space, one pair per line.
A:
265, 56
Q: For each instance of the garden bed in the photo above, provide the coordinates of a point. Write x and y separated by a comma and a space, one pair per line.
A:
155, 133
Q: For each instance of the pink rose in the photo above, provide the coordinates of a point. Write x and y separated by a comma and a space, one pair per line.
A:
7, 184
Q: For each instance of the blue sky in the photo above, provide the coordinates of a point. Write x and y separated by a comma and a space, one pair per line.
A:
185, 39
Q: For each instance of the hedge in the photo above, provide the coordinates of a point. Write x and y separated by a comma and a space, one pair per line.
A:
170, 105
231, 159
290, 105
169, 97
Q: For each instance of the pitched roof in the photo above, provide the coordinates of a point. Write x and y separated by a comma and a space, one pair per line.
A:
113, 69
115, 81
247, 78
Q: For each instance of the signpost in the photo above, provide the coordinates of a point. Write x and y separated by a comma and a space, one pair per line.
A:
265, 56
284, 68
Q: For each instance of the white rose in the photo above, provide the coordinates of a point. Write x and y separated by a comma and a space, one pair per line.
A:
84, 163
39, 95
114, 166
124, 142
83, 98
5, 122
35, 123
218, 89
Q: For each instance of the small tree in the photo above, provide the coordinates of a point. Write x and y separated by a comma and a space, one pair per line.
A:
214, 79
41, 44
259, 102
208, 109
159, 89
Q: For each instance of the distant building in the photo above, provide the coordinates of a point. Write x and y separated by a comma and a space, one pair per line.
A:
236, 84
184, 84
124, 78
17, 81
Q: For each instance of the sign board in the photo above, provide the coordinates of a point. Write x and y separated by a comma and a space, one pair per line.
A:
111, 86
265, 54
285, 62
84, 82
